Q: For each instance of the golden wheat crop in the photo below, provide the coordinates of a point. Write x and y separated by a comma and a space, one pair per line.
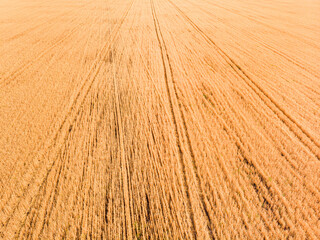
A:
159, 119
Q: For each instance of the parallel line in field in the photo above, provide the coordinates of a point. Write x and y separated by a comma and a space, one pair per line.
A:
13, 75
292, 125
93, 71
157, 156
38, 93
42, 145
169, 76
254, 19
173, 117
40, 24
277, 51
86, 86
295, 170
269, 188
123, 162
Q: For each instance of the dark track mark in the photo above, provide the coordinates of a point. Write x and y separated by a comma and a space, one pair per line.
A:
305, 138
166, 59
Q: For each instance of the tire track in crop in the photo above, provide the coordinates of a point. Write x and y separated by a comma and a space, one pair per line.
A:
234, 185
52, 200
276, 51
265, 190
296, 62
44, 23
243, 152
237, 188
254, 19
13, 75
168, 75
158, 166
273, 190
22, 114
155, 154
124, 164
92, 74
53, 59
295, 170
304, 137
26, 169
173, 117
70, 116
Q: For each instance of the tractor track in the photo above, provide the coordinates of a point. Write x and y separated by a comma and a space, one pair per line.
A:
143, 119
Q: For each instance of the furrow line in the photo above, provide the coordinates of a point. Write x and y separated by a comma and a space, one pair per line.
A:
38, 93
162, 101
292, 125
13, 75
270, 188
296, 171
254, 19
124, 164
279, 52
169, 76
40, 24
177, 136
86, 86
234, 187
47, 214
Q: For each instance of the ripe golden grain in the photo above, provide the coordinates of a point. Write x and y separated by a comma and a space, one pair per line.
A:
167, 119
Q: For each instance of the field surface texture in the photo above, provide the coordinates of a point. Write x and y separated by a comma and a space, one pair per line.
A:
159, 119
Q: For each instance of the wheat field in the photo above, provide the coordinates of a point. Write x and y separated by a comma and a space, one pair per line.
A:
159, 119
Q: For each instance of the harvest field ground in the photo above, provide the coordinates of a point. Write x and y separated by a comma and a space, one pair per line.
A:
159, 119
